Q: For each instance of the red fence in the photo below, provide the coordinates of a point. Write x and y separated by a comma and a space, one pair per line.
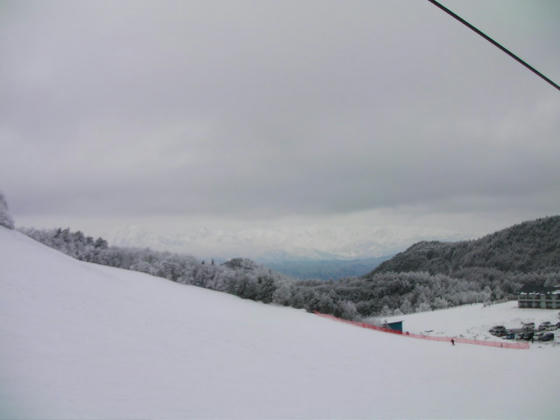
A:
514, 345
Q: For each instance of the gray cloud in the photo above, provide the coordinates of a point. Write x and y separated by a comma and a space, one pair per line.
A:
269, 109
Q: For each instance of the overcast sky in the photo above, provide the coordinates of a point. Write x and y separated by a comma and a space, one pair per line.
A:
351, 127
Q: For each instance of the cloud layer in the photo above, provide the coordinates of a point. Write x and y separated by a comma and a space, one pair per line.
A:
243, 110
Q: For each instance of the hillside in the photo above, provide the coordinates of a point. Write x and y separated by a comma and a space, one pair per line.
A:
526, 247
81, 340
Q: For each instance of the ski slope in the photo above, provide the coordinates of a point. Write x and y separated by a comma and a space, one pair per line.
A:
82, 341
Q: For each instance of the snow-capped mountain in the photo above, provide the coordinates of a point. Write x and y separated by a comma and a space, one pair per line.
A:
274, 244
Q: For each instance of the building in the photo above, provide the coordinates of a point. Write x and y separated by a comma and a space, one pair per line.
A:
542, 300
395, 326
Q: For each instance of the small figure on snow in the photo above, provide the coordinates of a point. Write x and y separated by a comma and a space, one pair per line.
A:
453, 341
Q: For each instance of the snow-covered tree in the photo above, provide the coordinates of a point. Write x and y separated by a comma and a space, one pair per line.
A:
348, 310
5, 218
440, 303
423, 307
406, 306
283, 294
386, 311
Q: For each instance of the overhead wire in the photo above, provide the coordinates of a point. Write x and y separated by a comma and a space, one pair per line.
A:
495, 43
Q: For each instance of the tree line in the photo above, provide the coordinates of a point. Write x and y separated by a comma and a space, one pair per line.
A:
428, 276
385, 293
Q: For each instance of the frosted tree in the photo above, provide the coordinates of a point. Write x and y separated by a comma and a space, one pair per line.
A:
440, 303
423, 307
5, 218
348, 310
406, 306
283, 294
385, 311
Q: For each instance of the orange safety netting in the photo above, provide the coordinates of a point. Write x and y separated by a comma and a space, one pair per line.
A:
462, 340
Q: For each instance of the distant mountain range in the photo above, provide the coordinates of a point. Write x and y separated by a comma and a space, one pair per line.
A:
527, 247
296, 261
278, 244
324, 269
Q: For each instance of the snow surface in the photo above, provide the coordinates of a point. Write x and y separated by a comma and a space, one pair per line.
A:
84, 341
474, 321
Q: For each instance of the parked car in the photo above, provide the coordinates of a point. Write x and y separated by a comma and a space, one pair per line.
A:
498, 330
527, 335
547, 336
545, 326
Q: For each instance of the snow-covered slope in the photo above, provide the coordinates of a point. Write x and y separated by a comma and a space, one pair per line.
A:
474, 321
85, 341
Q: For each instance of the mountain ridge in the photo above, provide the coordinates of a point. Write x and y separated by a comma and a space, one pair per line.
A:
525, 247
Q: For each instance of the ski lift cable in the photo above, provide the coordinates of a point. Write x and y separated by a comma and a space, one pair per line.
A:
486, 37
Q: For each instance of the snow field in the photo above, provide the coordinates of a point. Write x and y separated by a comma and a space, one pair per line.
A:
87, 341
474, 321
